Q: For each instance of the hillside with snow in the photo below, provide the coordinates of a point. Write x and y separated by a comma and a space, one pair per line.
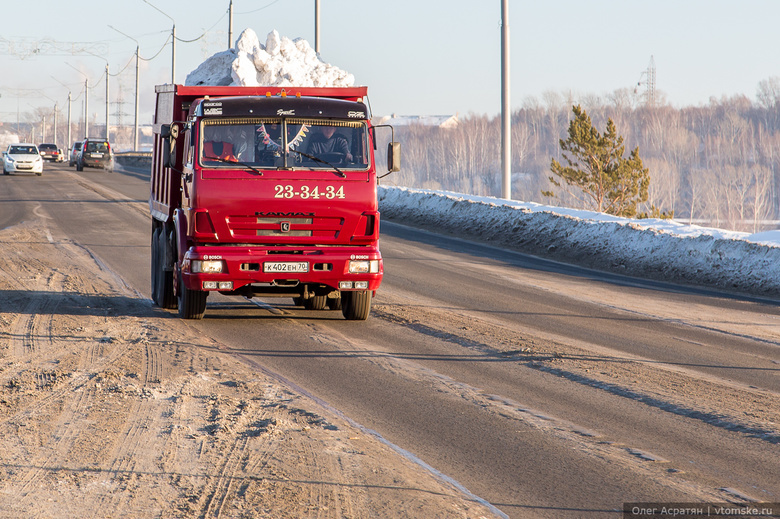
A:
656, 249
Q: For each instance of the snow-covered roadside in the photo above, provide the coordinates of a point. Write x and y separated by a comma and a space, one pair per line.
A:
658, 249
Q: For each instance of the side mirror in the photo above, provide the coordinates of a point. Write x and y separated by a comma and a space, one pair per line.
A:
393, 157
169, 132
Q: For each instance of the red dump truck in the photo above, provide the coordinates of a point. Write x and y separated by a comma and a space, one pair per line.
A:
267, 192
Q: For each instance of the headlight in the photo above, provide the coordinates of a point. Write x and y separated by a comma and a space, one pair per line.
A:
363, 266
206, 267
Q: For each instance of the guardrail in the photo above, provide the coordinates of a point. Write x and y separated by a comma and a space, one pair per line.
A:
134, 158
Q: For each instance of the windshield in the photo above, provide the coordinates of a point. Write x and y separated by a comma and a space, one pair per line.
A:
23, 150
97, 147
285, 144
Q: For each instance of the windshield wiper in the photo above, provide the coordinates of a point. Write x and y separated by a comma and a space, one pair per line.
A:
226, 161
321, 161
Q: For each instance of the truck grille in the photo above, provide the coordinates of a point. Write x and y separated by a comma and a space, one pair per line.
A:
280, 227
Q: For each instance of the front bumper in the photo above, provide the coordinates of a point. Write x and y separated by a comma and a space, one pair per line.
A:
24, 167
244, 268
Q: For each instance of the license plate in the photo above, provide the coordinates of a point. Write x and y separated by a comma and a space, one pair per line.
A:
97, 155
286, 266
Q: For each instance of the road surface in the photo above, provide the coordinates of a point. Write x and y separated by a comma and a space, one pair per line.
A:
544, 389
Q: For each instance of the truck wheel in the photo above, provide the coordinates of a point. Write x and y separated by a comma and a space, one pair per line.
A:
355, 306
165, 296
154, 272
79, 166
192, 303
334, 303
315, 303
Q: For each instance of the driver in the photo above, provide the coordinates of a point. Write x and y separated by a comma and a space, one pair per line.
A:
217, 145
328, 141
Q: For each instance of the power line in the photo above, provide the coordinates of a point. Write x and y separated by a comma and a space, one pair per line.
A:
25, 48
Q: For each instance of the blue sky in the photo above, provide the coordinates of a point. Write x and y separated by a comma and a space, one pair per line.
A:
416, 56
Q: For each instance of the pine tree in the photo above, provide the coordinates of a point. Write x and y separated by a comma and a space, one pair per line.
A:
596, 166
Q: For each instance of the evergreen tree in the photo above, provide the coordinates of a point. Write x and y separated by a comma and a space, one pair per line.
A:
609, 182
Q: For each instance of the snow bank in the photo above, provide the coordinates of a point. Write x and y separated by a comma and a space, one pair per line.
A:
7, 138
280, 62
658, 249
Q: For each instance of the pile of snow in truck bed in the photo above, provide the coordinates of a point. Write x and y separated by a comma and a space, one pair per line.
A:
280, 62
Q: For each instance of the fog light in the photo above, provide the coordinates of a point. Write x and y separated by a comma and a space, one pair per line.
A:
206, 267
345, 285
226, 285
361, 285
209, 285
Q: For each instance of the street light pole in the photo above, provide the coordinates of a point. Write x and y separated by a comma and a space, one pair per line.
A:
86, 108
317, 26
108, 103
67, 144
137, 59
70, 100
108, 108
506, 110
173, 41
230, 26
86, 99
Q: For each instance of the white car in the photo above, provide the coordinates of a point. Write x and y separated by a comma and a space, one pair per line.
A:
22, 158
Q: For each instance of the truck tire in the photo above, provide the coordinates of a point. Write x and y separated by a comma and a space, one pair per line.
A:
165, 296
192, 303
315, 303
79, 166
154, 272
355, 306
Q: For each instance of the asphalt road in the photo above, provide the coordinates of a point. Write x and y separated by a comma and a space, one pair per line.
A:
545, 389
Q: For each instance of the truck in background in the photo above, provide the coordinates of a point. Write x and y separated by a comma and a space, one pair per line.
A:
265, 191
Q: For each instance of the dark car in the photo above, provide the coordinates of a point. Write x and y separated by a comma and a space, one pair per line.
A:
95, 153
74, 153
49, 152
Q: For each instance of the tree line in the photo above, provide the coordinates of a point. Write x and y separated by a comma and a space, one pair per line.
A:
716, 165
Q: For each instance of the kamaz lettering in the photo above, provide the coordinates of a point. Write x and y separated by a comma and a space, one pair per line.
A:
264, 214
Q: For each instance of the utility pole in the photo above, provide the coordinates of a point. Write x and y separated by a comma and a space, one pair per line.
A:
173, 41
137, 59
230, 26
506, 111
86, 108
317, 26
173, 54
107, 104
70, 99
